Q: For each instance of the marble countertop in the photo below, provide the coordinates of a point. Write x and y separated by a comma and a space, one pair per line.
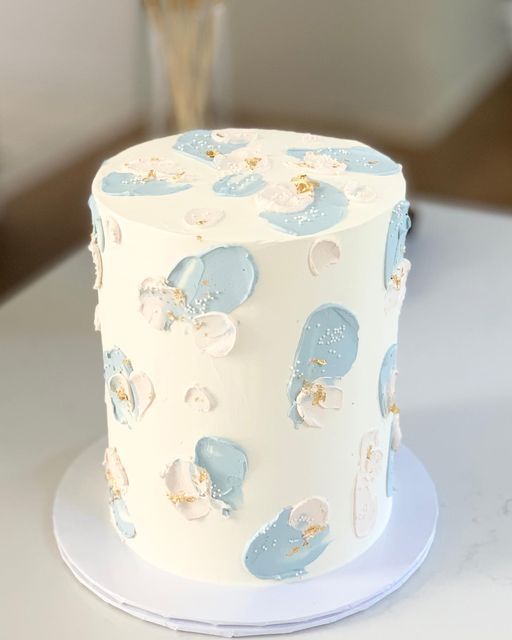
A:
455, 393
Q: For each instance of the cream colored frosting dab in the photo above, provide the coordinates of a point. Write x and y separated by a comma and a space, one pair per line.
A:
250, 284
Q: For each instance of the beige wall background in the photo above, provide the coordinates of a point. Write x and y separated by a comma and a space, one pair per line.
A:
70, 76
76, 73
407, 69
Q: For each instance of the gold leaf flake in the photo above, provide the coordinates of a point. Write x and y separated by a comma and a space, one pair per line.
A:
293, 551
311, 532
179, 297
203, 476
180, 498
319, 394
320, 362
253, 162
211, 153
394, 409
303, 184
151, 175
121, 394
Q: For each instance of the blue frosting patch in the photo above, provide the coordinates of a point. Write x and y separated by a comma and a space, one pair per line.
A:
219, 280
327, 209
357, 159
199, 142
97, 224
115, 362
281, 551
121, 516
387, 369
239, 185
128, 184
226, 464
327, 349
395, 244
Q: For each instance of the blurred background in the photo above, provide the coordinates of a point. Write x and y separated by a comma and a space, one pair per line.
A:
430, 83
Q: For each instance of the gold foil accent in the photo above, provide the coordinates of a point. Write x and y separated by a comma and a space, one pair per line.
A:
203, 474
179, 297
394, 409
180, 498
397, 280
151, 175
121, 394
303, 184
311, 532
211, 153
320, 362
116, 491
200, 238
171, 316
253, 162
293, 551
319, 394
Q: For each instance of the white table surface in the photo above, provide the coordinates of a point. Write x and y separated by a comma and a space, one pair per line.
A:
455, 392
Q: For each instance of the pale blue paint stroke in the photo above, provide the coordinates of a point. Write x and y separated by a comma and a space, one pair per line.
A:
198, 142
331, 334
358, 159
219, 280
399, 225
270, 554
329, 207
226, 463
120, 513
239, 185
128, 184
386, 371
115, 362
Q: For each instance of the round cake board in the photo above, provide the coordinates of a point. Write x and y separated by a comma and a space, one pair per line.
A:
103, 563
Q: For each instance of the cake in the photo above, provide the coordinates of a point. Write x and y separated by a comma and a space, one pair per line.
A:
249, 290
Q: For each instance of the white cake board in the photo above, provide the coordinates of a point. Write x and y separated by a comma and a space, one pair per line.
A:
101, 561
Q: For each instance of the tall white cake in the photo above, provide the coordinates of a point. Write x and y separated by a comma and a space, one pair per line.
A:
249, 286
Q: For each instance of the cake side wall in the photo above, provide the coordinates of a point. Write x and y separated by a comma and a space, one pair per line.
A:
249, 393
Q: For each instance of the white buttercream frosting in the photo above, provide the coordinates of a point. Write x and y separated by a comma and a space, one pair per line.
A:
224, 373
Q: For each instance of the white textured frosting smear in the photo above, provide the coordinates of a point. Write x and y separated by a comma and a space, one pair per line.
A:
142, 389
114, 471
316, 401
322, 163
203, 217
242, 160
357, 192
283, 198
113, 231
366, 504
234, 136
199, 399
98, 263
322, 255
311, 512
215, 333
189, 489
156, 169
397, 287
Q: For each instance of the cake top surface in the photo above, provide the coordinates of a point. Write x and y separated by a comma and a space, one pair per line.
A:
249, 185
